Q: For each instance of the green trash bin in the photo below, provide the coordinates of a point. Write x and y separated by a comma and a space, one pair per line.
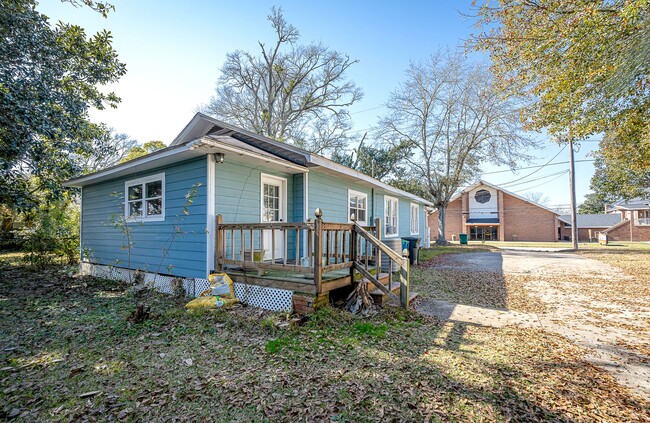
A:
463, 238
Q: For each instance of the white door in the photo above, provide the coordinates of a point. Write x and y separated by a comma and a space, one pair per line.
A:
274, 209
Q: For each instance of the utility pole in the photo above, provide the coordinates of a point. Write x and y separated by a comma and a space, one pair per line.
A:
572, 180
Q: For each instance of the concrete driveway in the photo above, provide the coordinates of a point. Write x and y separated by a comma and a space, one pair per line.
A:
574, 289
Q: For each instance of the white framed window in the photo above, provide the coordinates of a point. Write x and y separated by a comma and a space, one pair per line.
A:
144, 198
391, 218
358, 205
415, 219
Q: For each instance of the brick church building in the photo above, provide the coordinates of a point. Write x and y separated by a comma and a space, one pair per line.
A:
487, 212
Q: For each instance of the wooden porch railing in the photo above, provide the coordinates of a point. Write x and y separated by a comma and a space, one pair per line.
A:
309, 248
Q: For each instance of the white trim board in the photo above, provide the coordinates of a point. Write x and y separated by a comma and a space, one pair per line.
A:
210, 214
143, 181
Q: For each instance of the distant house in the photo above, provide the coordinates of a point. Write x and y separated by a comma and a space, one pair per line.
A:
634, 220
589, 225
487, 212
252, 211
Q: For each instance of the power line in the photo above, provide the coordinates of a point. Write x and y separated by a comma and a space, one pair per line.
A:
361, 130
544, 183
366, 110
543, 166
533, 167
516, 183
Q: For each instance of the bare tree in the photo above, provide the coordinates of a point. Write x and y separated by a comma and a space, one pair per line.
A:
455, 121
289, 92
107, 149
537, 197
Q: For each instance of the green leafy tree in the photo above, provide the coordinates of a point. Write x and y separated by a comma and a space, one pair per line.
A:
623, 162
594, 203
289, 91
580, 63
382, 163
50, 76
142, 150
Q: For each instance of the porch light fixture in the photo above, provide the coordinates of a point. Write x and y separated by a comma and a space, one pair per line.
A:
218, 157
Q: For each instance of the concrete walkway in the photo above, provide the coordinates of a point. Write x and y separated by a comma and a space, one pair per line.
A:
572, 314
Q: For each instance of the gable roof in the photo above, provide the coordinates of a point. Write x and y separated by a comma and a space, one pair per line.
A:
206, 131
637, 203
481, 182
592, 220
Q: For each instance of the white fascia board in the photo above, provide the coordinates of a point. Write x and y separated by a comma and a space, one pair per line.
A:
136, 165
211, 144
339, 168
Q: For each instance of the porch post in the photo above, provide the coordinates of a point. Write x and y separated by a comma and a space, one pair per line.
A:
318, 249
405, 277
378, 256
218, 250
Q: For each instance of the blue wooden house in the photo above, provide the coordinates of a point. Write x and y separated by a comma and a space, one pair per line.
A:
222, 198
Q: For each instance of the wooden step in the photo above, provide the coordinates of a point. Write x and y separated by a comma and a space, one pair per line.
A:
412, 296
394, 288
380, 298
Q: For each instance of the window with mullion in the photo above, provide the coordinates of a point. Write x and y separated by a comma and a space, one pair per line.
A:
415, 221
391, 205
358, 206
145, 198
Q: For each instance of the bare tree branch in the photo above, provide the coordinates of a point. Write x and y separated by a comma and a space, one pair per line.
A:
455, 121
289, 92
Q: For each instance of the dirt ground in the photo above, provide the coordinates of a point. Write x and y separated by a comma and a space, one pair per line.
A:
594, 303
70, 351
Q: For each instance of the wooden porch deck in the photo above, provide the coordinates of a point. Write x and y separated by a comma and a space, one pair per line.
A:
324, 256
294, 281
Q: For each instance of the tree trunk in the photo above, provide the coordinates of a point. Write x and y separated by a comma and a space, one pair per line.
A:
442, 211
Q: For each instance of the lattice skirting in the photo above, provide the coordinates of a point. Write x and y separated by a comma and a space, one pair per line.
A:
258, 296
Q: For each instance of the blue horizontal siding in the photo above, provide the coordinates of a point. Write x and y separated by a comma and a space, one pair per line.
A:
330, 194
187, 251
238, 200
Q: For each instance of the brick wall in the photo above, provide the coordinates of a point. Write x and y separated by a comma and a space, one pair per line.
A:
583, 233
640, 233
527, 222
621, 232
630, 232
306, 303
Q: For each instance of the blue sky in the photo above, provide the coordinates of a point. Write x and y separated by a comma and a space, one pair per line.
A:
173, 52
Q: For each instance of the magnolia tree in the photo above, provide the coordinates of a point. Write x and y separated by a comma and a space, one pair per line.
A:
454, 120
51, 75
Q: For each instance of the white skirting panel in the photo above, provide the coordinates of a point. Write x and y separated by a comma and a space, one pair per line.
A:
253, 295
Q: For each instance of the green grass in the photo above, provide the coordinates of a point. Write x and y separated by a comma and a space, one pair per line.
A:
434, 251
615, 245
64, 336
